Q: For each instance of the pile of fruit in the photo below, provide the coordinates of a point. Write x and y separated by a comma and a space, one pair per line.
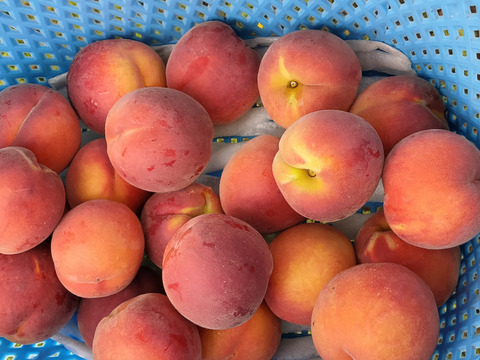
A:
158, 265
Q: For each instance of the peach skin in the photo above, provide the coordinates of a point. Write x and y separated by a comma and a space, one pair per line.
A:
400, 105
376, 242
105, 70
379, 311
328, 165
426, 175
212, 64
305, 258
42, 120
92, 176
305, 71
248, 190
164, 213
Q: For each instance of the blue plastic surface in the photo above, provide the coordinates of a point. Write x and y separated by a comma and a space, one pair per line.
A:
38, 40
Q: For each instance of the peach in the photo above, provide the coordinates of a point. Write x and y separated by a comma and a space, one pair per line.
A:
305, 71
40, 119
158, 139
216, 270
217, 68
305, 258
105, 70
33, 303
32, 200
328, 165
91, 176
164, 213
91, 311
146, 327
397, 106
248, 190
378, 311
376, 242
426, 175
97, 248
258, 338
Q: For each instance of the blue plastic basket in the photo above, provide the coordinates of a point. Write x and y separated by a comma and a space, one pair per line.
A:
39, 38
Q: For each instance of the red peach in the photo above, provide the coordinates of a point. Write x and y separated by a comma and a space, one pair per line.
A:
105, 70
426, 175
158, 139
248, 190
397, 106
40, 119
146, 327
164, 213
32, 200
92, 176
378, 311
376, 242
216, 270
98, 248
216, 67
305, 71
33, 303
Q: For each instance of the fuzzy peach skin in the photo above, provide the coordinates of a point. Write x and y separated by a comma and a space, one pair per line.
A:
91, 176
305, 258
91, 311
432, 189
40, 119
328, 164
105, 70
216, 270
217, 68
32, 200
98, 248
33, 303
146, 327
158, 139
258, 338
305, 71
164, 213
248, 190
400, 105
376, 242
376, 311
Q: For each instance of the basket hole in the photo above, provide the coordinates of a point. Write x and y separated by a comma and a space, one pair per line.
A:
440, 12
476, 33
473, 9
354, 5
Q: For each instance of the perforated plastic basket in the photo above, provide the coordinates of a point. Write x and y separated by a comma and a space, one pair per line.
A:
39, 38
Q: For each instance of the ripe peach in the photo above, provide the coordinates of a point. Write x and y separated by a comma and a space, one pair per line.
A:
426, 175
378, 311
305, 71
146, 327
40, 119
98, 248
305, 258
92, 176
105, 70
216, 270
248, 190
376, 242
32, 200
328, 165
33, 303
258, 338
397, 106
216, 67
158, 139
91, 311
164, 213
